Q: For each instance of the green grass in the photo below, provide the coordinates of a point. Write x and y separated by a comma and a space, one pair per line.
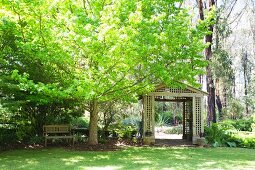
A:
132, 158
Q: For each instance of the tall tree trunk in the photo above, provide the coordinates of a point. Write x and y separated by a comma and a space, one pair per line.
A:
218, 101
224, 103
234, 88
211, 115
246, 82
93, 132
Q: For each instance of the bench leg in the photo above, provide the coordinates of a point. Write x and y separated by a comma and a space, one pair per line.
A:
45, 142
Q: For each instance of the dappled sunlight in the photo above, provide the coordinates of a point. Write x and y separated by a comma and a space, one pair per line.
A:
99, 157
73, 160
31, 161
131, 158
139, 160
100, 168
209, 163
23, 164
181, 157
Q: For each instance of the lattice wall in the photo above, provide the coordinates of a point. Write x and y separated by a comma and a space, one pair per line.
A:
188, 118
148, 113
198, 117
192, 99
174, 90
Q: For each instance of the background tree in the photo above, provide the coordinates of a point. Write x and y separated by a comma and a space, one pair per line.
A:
211, 116
36, 101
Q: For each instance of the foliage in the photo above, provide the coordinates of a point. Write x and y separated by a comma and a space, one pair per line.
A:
71, 55
36, 140
80, 122
245, 140
163, 120
132, 120
167, 118
234, 110
214, 135
116, 116
243, 124
125, 132
174, 130
222, 67
7, 136
122, 113
225, 134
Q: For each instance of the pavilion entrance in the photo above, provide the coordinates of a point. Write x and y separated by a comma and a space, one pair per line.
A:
173, 117
191, 99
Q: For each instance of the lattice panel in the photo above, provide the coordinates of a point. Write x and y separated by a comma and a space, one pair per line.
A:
188, 117
198, 113
174, 90
148, 113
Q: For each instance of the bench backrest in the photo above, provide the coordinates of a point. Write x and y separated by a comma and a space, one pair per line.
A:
56, 129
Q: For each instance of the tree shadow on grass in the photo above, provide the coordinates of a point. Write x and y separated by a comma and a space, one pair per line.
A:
131, 158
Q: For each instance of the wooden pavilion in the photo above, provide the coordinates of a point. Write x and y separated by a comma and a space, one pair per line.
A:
192, 99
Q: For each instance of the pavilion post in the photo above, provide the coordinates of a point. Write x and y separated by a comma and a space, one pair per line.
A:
184, 135
149, 120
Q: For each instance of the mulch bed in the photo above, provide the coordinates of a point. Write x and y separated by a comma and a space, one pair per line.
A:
109, 145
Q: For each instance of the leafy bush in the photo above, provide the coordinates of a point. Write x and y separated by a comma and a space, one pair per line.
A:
248, 143
240, 124
36, 140
80, 122
215, 135
126, 132
174, 130
7, 136
178, 118
131, 121
162, 120
244, 124
167, 118
225, 134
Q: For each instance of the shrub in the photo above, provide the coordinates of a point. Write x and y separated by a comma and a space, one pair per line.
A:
248, 143
174, 130
243, 124
127, 128
167, 118
7, 136
163, 120
225, 134
80, 122
214, 135
240, 124
36, 140
126, 132
131, 121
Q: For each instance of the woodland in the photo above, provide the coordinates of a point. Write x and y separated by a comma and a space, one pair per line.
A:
86, 63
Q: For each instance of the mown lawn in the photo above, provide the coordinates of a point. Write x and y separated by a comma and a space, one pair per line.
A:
131, 158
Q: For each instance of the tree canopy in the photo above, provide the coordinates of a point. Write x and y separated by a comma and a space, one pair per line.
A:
87, 52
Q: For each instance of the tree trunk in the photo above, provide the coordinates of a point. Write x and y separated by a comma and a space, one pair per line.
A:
234, 88
218, 101
211, 115
246, 82
219, 106
93, 131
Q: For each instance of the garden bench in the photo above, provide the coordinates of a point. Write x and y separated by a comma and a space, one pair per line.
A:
57, 132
